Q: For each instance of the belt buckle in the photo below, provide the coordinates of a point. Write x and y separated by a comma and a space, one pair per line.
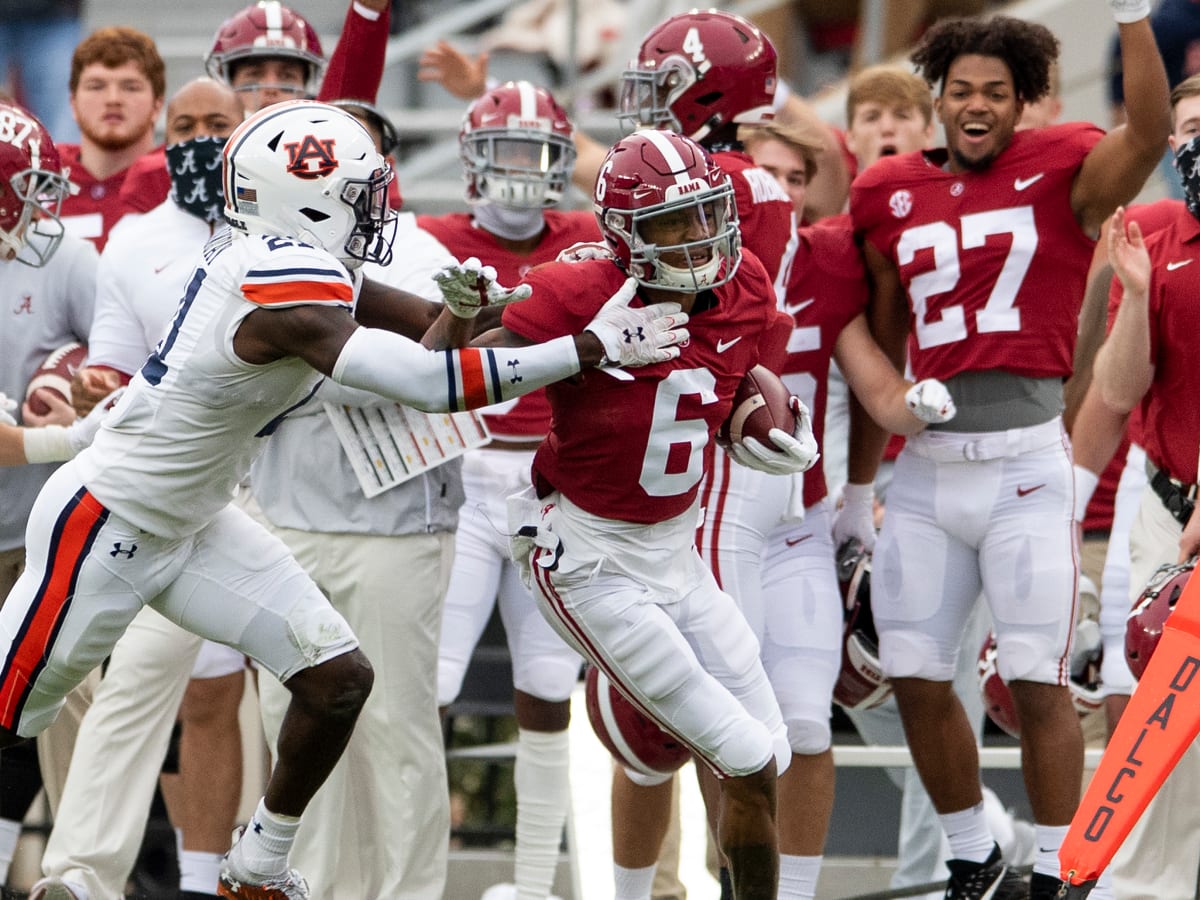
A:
970, 451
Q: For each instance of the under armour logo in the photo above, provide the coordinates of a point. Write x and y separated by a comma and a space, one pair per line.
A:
117, 550
512, 364
638, 333
25, 306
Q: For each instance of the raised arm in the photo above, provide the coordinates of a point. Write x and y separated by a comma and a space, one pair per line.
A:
1119, 164
1123, 369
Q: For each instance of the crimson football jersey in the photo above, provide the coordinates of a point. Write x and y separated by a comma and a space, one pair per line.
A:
826, 290
529, 416
1170, 416
99, 205
628, 444
765, 215
993, 262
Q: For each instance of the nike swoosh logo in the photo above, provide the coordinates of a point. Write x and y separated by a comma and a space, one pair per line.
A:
1022, 492
158, 269
722, 346
1021, 183
794, 308
792, 542
1178, 264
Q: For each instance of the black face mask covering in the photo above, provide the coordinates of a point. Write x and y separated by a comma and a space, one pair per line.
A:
195, 170
1187, 164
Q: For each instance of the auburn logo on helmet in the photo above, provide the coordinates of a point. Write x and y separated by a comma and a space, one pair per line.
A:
311, 158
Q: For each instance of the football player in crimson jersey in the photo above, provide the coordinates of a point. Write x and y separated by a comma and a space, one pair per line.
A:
1143, 369
118, 84
607, 535
983, 247
517, 154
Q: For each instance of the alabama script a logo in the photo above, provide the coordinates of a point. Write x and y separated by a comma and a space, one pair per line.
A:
311, 158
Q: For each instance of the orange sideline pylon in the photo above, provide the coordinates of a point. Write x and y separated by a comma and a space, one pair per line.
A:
1160, 722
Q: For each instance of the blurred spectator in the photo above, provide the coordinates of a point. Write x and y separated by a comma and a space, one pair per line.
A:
37, 38
837, 36
1176, 25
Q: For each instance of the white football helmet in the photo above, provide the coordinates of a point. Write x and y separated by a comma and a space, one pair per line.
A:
310, 171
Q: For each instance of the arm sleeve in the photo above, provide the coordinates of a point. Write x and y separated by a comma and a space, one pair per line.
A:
355, 69
450, 380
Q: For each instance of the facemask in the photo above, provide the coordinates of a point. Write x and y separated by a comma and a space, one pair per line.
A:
507, 222
195, 170
1187, 164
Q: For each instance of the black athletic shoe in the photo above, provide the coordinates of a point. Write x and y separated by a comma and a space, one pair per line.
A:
991, 879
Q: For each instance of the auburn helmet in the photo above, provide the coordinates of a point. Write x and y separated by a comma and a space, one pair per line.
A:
698, 72
33, 185
666, 210
634, 740
1144, 626
517, 147
310, 171
266, 29
861, 683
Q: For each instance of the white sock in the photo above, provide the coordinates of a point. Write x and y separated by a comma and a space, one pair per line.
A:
199, 871
263, 850
1049, 839
632, 884
543, 783
10, 833
798, 877
968, 834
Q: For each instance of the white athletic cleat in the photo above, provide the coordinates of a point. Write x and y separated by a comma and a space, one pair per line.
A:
237, 884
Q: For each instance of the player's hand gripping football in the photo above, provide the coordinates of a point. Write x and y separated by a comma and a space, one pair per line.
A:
930, 401
470, 286
638, 336
795, 452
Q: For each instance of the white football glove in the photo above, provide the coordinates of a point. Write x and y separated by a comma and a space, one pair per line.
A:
930, 401
638, 336
795, 452
855, 518
582, 251
7, 407
469, 286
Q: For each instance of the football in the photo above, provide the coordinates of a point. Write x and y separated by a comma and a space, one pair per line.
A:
762, 402
632, 738
55, 374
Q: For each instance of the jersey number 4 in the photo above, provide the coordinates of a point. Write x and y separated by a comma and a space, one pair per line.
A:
1000, 312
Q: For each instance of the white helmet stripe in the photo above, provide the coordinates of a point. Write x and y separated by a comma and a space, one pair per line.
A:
670, 154
528, 94
273, 12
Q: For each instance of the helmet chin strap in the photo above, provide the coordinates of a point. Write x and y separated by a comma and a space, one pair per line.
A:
508, 222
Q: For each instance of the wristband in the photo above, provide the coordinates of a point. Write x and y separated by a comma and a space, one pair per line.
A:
1085, 485
1126, 11
50, 443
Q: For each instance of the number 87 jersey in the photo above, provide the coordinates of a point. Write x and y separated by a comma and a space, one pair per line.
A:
993, 261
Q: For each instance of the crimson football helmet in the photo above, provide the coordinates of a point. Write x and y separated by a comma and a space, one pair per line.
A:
666, 211
634, 740
310, 171
266, 29
33, 186
698, 72
1144, 627
861, 683
517, 146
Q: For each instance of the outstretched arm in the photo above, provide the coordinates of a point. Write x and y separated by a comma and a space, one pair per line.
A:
1119, 164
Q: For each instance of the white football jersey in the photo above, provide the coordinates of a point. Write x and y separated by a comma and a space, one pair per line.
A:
192, 421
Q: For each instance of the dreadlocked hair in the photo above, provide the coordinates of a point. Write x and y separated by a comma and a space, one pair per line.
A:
1028, 49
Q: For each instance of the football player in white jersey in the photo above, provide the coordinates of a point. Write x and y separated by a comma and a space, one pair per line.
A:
144, 517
